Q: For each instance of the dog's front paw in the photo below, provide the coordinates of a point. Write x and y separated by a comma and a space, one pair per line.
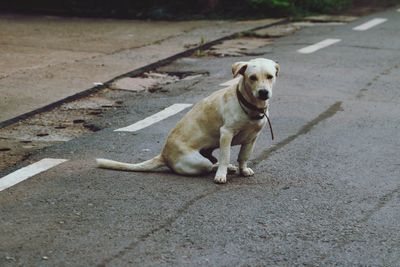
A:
247, 172
220, 179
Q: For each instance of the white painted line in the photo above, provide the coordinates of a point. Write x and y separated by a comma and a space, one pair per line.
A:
369, 24
230, 82
163, 114
28, 171
315, 47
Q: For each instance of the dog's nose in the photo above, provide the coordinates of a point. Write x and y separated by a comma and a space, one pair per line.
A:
263, 94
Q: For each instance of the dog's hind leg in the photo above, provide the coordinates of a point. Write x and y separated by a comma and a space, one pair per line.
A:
207, 153
192, 163
232, 169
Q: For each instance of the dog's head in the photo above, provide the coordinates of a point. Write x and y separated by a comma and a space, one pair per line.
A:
259, 76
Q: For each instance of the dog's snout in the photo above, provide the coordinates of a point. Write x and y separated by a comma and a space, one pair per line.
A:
263, 94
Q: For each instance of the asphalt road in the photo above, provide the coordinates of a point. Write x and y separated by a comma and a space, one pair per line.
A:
326, 192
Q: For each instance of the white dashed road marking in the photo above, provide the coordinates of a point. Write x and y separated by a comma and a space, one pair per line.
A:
315, 47
230, 82
369, 24
28, 171
163, 114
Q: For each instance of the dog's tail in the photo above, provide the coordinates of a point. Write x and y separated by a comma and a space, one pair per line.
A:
144, 166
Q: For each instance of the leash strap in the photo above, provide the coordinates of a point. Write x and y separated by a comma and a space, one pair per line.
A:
270, 126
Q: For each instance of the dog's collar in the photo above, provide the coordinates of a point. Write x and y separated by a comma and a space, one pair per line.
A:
250, 106
247, 104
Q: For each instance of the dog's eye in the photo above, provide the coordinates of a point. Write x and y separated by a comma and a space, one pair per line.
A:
269, 76
253, 77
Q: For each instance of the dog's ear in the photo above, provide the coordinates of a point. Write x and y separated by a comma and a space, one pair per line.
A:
239, 68
278, 69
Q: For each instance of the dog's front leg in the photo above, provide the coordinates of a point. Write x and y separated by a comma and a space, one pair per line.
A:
244, 155
225, 141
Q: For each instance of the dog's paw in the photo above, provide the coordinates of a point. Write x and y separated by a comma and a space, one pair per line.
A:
220, 179
247, 172
232, 169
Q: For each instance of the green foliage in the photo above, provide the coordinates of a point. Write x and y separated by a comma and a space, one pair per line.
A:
200, 53
291, 7
183, 9
322, 6
269, 3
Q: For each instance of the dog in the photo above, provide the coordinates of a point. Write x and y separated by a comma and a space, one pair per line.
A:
231, 116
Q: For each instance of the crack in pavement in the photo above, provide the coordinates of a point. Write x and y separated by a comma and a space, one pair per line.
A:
168, 222
361, 92
331, 111
382, 201
370, 47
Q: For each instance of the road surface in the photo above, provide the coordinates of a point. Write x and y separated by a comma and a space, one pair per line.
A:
326, 192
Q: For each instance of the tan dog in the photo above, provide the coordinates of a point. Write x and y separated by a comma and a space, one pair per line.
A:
231, 116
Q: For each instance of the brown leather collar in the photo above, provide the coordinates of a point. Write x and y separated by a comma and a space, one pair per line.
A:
250, 106
247, 104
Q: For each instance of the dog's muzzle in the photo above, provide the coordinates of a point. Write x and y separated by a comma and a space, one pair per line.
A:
263, 94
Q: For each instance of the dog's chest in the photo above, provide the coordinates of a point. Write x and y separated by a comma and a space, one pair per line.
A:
248, 132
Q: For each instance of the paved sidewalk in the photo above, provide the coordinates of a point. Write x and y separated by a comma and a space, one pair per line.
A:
45, 59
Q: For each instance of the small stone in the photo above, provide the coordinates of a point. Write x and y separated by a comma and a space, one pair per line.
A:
78, 121
9, 258
277, 31
42, 134
136, 84
45, 258
192, 77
